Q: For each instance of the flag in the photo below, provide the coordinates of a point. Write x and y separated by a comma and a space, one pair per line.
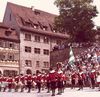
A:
71, 58
95, 58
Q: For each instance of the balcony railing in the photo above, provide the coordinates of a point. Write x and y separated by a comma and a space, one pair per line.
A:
8, 50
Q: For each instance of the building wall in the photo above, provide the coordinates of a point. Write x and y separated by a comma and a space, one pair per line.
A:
9, 57
30, 56
33, 56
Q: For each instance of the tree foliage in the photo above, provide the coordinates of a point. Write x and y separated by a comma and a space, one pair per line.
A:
76, 19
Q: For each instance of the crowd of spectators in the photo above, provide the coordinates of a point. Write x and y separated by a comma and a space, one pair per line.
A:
87, 60
66, 45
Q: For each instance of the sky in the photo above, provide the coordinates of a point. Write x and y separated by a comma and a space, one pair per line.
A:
45, 5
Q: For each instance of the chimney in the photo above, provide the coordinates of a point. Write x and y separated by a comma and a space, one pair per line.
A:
32, 7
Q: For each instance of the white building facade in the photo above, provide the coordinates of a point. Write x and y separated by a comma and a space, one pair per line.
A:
37, 36
9, 51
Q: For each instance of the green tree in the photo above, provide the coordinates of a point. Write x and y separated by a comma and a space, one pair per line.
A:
76, 19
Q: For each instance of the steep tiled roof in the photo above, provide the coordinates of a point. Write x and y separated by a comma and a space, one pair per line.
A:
36, 19
8, 33
35, 16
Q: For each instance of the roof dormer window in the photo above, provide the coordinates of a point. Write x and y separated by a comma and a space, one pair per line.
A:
54, 29
35, 26
44, 28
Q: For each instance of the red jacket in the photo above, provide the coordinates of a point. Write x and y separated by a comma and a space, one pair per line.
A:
4, 79
73, 76
17, 79
22, 79
92, 75
60, 76
44, 78
83, 76
64, 77
47, 78
10, 80
38, 78
53, 76
29, 78
80, 76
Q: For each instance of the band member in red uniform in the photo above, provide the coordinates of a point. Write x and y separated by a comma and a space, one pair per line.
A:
43, 80
48, 82
92, 76
73, 79
98, 80
10, 81
38, 80
34, 80
60, 81
17, 78
22, 82
64, 81
80, 80
84, 78
16, 81
29, 82
53, 80
4, 83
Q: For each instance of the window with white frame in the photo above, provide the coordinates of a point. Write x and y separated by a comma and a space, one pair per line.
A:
37, 63
46, 64
46, 39
37, 50
46, 52
27, 49
37, 38
28, 37
28, 63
